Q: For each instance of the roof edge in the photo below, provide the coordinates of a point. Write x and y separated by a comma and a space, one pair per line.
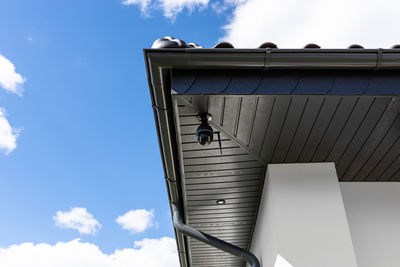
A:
267, 58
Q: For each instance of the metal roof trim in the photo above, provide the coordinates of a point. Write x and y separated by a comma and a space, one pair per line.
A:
274, 58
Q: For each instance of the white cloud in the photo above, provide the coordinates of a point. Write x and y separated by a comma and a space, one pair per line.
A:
173, 7
331, 23
170, 8
78, 219
145, 253
142, 3
10, 80
8, 135
137, 221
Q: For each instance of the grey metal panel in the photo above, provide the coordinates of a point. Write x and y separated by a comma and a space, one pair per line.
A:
212, 152
290, 126
214, 145
222, 179
225, 172
219, 159
395, 177
386, 163
331, 135
191, 138
223, 190
305, 126
230, 116
225, 210
221, 166
218, 184
212, 207
320, 126
221, 215
227, 196
373, 140
261, 121
364, 106
246, 119
275, 124
215, 107
381, 151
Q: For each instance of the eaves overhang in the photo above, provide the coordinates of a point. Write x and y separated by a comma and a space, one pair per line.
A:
160, 63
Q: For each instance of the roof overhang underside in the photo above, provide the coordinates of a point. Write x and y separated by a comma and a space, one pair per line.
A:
349, 116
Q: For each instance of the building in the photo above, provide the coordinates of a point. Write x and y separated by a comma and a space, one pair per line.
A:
306, 168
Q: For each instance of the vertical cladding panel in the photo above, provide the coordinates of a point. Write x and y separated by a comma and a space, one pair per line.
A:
374, 139
342, 115
395, 177
261, 122
277, 119
364, 106
381, 155
305, 126
322, 123
374, 115
231, 109
387, 162
215, 105
390, 173
295, 113
246, 119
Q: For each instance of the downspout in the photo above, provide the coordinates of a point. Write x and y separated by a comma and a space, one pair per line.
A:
211, 240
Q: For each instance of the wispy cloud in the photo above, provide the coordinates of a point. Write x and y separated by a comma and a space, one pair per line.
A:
137, 221
10, 80
77, 218
143, 4
170, 8
8, 134
145, 253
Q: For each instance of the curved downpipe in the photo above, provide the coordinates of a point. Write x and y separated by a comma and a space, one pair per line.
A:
249, 257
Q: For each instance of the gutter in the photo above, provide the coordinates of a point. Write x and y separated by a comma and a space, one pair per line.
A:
160, 62
311, 58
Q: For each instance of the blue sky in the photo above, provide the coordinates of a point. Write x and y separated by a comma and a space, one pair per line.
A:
88, 137
86, 133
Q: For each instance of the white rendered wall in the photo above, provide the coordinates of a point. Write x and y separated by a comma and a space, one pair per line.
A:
302, 220
373, 213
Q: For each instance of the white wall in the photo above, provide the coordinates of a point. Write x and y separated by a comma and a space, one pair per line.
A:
373, 213
302, 218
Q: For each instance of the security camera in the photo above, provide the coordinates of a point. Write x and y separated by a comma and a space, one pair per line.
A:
204, 133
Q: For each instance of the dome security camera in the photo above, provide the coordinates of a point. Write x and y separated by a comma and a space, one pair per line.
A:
204, 133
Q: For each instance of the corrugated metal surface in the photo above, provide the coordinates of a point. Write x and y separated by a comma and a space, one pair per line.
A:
361, 134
